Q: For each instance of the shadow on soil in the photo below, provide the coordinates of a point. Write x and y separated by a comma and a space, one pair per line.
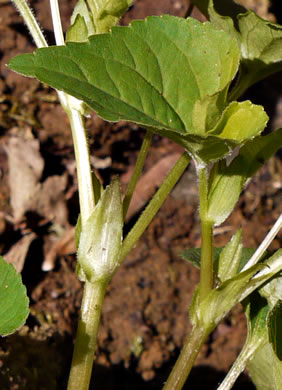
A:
32, 364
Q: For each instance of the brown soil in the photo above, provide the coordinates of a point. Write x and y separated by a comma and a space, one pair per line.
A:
145, 314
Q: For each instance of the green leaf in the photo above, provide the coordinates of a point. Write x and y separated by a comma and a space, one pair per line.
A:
184, 62
275, 327
13, 299
232, 125
265, 369
221, 7
194, 255
257, 311
261, 47
166, 73
260, 40
101, 237
228, 181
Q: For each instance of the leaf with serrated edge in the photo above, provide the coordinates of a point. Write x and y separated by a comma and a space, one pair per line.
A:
152, 72
164, 73
228, 181
13, 299
194, 256
261, 47
222, 7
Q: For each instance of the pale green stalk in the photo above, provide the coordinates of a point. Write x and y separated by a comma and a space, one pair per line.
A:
57, 25
93, 293
86, 338
239, 365
198, 335
137, 171
186, 359
154, 205
265, 244
206, 271
82, 156
31, 22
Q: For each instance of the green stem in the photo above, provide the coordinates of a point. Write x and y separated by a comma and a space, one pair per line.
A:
86, 337
154, 205
31, 22
186, 359
207, 272
137, 171
240, 363
57, 25
265, 244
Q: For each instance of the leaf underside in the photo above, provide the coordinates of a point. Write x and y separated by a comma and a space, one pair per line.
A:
13, 299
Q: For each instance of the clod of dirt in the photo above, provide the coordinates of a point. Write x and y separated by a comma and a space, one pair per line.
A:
25, 170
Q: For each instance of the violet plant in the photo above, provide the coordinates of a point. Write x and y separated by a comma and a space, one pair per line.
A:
172, 76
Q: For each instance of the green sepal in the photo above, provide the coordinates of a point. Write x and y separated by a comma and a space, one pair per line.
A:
81, 12
107, 13
220, 300
227, 181
230, 257
78, 31
212, 309
13, 299
101, 236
